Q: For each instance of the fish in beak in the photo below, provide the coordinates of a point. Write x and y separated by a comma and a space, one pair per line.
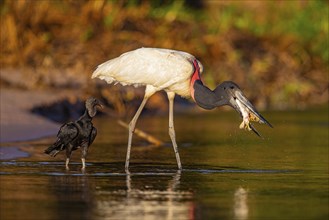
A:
247, 111
229, 93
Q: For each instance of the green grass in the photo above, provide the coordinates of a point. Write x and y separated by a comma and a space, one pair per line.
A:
306, 23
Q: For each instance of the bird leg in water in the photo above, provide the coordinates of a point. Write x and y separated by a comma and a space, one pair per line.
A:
83, 160
171, 96
67, 163
149, 91
84, 151
68, 156
132, 125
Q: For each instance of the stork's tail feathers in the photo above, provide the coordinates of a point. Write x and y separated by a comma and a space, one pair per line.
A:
104, 72
54, 149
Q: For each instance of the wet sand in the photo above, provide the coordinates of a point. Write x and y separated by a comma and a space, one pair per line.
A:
17, 123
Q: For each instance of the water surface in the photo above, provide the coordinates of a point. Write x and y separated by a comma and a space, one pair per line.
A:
227, 173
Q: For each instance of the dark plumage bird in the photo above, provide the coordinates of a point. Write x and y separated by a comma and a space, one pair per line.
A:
77, 134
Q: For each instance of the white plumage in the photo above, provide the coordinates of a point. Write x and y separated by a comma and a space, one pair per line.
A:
163, 69
175, 72
157, 69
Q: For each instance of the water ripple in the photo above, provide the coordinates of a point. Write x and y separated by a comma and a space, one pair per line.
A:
96, 169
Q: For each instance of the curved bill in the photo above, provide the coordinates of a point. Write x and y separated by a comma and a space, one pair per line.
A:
99, 103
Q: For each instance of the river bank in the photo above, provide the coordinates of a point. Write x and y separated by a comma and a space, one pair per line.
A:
17, 123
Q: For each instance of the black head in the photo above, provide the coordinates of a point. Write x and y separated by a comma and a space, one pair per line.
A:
225, 93
229, 93
91, 106
222, 95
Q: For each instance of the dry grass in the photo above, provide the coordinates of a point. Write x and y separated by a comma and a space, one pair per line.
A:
59, 43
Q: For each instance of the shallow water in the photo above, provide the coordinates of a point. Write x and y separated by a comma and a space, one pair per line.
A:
227, 173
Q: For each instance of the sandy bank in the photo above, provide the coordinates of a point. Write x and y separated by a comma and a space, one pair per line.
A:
17, 123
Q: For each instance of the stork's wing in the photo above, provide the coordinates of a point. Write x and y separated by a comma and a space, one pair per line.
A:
68, 133
147, 66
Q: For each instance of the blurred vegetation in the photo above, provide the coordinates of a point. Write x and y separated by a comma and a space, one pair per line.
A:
277, 51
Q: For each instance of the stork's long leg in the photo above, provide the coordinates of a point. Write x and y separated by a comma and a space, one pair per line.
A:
149, 91
171, 96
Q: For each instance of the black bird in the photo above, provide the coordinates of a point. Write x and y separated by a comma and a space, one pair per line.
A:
77, 134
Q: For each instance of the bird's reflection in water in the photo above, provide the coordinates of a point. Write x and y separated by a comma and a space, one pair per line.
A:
74, 196
241, 209
145, 199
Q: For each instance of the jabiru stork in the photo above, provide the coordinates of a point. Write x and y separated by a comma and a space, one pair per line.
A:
175, 72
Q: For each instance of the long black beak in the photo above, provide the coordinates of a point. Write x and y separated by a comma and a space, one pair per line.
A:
247, 104
244, 107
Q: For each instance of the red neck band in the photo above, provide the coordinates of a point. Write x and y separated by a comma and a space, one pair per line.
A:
195, 76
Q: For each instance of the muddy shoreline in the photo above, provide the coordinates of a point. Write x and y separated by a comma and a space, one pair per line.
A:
18, 123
